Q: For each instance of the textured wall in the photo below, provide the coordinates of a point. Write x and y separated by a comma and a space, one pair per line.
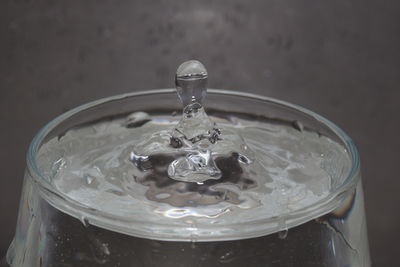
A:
338, 58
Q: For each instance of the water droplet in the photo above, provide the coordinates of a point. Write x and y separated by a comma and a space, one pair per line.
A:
89, 179
298, 126
193, 239
156, 244
283, 233
11, 253
61, 135
227, 256
191, 82
136, 119
141, 162
105, 249
100, 250
85, 221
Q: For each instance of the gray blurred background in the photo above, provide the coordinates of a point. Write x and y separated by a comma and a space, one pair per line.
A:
339, 58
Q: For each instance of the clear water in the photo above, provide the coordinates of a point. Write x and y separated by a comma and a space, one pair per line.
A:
193, 171
266, 170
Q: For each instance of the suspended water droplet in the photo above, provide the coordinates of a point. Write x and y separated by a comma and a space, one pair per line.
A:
191, 82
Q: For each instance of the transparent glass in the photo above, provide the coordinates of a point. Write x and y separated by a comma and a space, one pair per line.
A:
55, 231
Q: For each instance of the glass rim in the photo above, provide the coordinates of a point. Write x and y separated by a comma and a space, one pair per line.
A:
95, 217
